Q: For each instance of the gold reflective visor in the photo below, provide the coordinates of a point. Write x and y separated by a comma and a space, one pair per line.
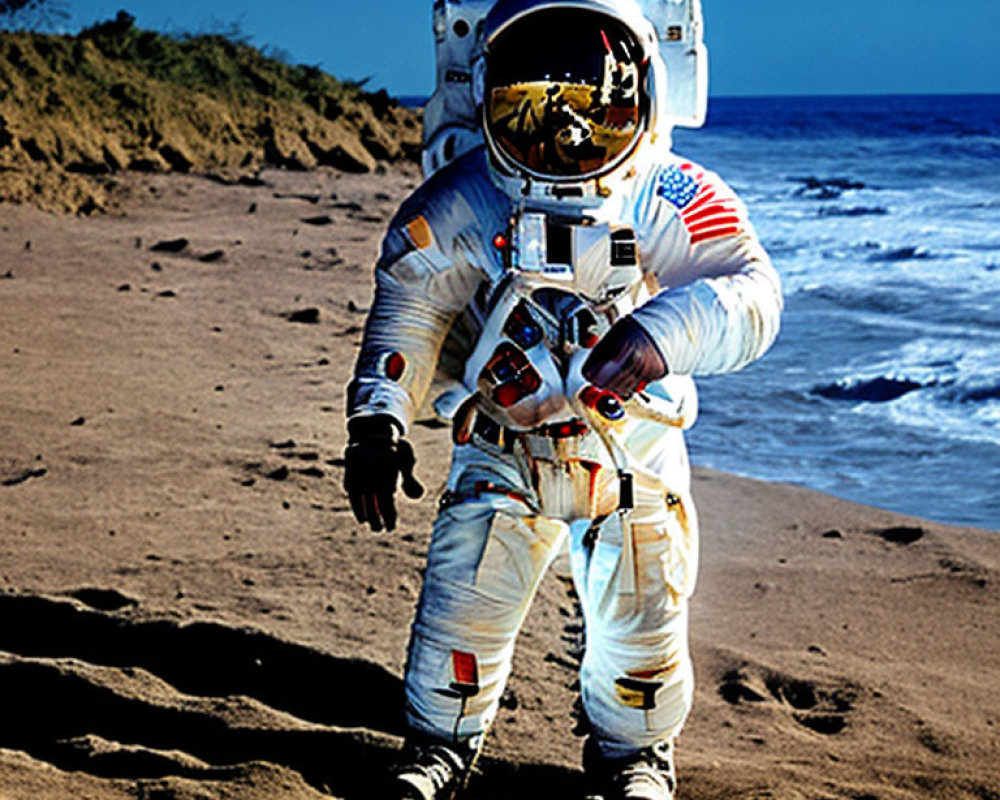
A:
564, 95
564, 129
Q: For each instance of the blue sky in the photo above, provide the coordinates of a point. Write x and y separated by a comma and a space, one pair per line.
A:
758, 47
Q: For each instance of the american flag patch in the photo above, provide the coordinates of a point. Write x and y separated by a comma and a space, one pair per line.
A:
676, 187
705, 215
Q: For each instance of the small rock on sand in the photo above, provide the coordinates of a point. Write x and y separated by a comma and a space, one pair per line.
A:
306, 316
170, 246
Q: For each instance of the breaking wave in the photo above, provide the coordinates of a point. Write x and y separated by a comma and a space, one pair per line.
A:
872, 390
853, 211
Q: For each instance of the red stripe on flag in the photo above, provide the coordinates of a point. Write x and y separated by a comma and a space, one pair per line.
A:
708, 211
716, 233
713, 223
703, 196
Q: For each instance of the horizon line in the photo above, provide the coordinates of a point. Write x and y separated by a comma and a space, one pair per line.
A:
789, 95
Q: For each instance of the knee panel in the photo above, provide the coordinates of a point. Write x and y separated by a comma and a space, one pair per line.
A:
483, 569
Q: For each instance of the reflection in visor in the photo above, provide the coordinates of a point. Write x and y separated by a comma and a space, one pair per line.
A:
563, 95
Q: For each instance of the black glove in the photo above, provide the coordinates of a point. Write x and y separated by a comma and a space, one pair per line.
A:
374, 461
625, 360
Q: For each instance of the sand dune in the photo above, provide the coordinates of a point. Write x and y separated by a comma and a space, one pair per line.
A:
188, 610
77, 110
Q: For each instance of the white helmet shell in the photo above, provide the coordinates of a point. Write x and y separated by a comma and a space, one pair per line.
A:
452, 123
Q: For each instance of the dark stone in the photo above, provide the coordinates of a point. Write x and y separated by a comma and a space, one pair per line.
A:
170, 246
306, 316
901, 534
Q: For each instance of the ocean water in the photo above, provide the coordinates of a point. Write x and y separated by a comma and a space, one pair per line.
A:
882, 215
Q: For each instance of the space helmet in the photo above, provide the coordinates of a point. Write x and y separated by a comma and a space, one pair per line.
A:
570, 91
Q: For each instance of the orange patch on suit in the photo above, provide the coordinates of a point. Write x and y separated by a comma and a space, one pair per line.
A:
465, 668
419, 232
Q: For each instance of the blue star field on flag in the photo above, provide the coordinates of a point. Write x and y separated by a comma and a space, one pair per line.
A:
676, 186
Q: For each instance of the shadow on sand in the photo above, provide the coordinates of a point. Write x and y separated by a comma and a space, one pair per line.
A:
74, 693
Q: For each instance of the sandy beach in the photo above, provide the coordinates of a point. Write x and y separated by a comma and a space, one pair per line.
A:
188, 610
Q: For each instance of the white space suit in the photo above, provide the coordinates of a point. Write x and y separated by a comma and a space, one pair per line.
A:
511, 266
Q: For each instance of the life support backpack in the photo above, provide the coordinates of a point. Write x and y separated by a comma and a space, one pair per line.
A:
451, 123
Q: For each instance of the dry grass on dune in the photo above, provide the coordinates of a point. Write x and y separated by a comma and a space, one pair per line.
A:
75, 110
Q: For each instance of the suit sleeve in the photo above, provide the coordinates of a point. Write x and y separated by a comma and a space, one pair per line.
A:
420, 287
721, 305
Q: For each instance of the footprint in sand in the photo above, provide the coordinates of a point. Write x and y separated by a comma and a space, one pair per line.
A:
821, 709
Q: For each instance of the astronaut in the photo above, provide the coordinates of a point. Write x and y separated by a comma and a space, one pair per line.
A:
571, 276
